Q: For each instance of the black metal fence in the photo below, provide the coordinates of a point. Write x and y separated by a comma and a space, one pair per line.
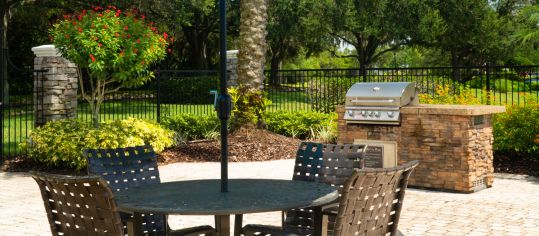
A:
176, 92
323, 89
17, 117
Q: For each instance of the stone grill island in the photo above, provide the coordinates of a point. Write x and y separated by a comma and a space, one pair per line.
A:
452, 142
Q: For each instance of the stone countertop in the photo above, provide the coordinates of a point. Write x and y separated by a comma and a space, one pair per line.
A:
464, 110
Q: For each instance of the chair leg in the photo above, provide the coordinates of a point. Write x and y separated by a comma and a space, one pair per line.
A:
238, 224
134, 225
320, 227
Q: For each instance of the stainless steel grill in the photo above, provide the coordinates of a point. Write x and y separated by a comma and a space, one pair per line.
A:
378, 103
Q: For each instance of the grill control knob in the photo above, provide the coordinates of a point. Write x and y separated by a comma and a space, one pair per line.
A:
390, 114
377, 113
371, 113
350, 113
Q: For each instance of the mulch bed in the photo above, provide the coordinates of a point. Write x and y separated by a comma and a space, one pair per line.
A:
250, 144
515, 164
245, 144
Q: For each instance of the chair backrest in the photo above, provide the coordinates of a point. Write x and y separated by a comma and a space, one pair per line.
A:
308, 161
327, 163
371, 201
124, 168
79, 205
340, 161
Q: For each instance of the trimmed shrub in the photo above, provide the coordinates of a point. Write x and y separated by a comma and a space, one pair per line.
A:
60, 143
248, 107
303, 124
191, 127
517, 130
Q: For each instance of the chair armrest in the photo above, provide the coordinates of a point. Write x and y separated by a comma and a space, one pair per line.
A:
330, 209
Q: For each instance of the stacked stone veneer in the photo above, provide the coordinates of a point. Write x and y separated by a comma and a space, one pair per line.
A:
55, 90
232, 68
452, 143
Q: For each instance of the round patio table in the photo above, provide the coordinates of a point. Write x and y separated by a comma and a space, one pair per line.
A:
203, 197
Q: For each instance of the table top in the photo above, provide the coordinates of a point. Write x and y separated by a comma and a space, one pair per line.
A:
203, 197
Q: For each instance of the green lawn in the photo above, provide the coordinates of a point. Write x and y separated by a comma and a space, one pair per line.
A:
509, 98
19, 123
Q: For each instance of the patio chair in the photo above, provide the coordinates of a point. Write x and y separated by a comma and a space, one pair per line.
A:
79, 206
327, 163
371, 201
124, 168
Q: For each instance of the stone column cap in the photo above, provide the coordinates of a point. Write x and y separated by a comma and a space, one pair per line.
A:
47, 50
232, 53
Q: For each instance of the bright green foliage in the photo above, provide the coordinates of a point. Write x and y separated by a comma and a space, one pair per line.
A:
528, 31
324, 60
192, 127
116, 47
111, 43
376, 27
303, 124
517, 130
470, 31
296, 25
248, 107
446, 94
60, 143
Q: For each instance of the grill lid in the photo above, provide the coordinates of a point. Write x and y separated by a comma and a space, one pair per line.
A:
380, 94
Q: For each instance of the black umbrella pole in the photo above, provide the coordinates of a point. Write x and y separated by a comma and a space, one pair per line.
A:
224, 100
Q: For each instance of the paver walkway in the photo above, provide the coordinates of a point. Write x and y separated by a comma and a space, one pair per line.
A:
508, 208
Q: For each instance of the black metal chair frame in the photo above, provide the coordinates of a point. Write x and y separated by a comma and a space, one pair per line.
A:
327, 163
129, 167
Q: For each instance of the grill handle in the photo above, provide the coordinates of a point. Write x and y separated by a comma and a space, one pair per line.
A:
374, 101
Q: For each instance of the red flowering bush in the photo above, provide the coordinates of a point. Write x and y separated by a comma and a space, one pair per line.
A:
116, 47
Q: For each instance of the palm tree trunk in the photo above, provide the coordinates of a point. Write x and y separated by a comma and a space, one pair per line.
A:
252, 44
251, 58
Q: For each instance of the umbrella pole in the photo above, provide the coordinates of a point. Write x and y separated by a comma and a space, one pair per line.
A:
224, 100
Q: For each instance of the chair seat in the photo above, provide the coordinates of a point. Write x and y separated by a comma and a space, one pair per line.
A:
194, 231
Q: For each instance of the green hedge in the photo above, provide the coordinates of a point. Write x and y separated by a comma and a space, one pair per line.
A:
188, 90
60, 143
517, 130
191, 127
303, 124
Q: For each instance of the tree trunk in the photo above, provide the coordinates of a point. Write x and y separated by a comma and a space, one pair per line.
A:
197, 42
4, 10
274, 68
455, 64
252, 54
252, 44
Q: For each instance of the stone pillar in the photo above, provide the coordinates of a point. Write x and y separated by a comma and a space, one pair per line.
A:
55, 90
232, 68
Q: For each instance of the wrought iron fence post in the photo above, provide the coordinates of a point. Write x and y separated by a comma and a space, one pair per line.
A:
2, 73
158, 95
3, 65
487, 68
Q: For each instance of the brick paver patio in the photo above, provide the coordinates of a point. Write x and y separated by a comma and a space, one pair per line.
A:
508, 208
